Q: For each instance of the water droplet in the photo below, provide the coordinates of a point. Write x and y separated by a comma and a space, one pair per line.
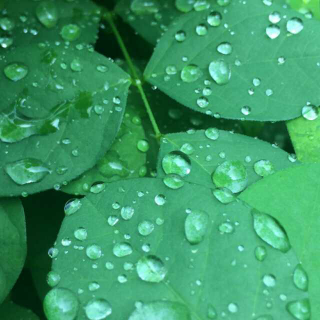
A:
143, 145
260, 253
53, 253
70, 32
47, 13
6, 42
72, 206
263, 168
173, 181
160, 199
220, 71
53, 278
269, 230
246, 110
274, 17
76, 65
93, 252
226, 227
60, 304
256, 82
212, 313
16, 71
191, 73
176, 162
273, 31
224, 48
127, 212
184, 5
214, 19
160, 310
151, 269
98, 309
233, 308
269, 280
231, 175
212, 133
224, 195
294, 25
310, 112
26, 171
93, 286
201, 5
144, 7
300, 278
6, 24
201, 30
180, 36
122, 249
300, 309
171, 70
187, 148
80, 234
145, 227
196, 225
202, 102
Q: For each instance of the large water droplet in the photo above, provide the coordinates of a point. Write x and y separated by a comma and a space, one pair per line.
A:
224, 195
184, 5
98, 309
300, 309
151, 269
300, 278
72, 206
122, 249
142, 7
220, 71
173, 181
273, 31
196, 225
224, 48
263, 168
47, 13
16, 71
70, 32
145, 227
294, 25
310, 112
214, 19
231, 175
161, 310
60, 304
176, 162
26, 171
127, 212
94, 252
269, 230
191, 73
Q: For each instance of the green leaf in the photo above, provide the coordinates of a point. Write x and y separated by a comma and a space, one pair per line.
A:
251, 76
13, 246
56, 122
292, 197
305, 137
206, 150
141, 250
48, 21
122, 161
11, 311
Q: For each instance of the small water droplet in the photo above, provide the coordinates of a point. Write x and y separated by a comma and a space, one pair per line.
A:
93, 252
143, 7
260, 253
263, 168
214, 19
173, 181
176, 162
98, 309
180, 36
224, 48
122, 249
47, 13
16, 71
269, 280
310, 112
220, 71
300, 309
191, 73
273, 31
145, 227
53, 278
72, 206
300, 278
151, 269
294, 25
80, 234
70, 32
127, 212
160, 199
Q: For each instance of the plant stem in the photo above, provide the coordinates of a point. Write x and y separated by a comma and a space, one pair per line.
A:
137, 81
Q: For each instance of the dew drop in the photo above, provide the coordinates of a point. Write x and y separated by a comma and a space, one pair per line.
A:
201, 30
127, 212
80, 234
269, 280
173, 181
184, 5
144, 7
93, 252
231, 175
176, 162
214, 19
53, 278
191, 73
263, 168
310, 112
145, 227
300, 278
273, 31
26, 171
70, 32
180, 36
151, 269
294, 25
260, 253
195, 226
274, 17
160, 199
60, 304
98, 309
212, 133
224, 48
269, 230
220, 71
47, 13
16, 71
72, 206
122, 249
300, 309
